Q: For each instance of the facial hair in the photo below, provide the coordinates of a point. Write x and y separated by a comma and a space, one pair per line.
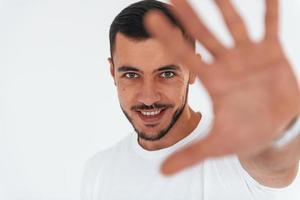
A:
162, 133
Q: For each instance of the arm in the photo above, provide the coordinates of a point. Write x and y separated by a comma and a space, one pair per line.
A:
252, 85
277, 165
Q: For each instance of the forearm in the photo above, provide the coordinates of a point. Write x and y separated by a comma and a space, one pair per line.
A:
274, 167
279, 159
285, 151
277, 164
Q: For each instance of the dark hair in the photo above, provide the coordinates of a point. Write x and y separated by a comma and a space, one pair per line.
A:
130, 21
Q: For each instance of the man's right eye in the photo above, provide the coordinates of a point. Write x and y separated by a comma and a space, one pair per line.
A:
131, 75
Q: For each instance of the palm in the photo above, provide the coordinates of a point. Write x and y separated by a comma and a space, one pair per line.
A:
252, 86
246, 89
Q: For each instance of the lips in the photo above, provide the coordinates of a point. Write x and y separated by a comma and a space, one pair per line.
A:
150, 116
152, 113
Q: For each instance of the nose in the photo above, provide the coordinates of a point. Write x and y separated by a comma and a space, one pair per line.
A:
149, 94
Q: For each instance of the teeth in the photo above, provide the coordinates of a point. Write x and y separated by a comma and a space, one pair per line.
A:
152, 113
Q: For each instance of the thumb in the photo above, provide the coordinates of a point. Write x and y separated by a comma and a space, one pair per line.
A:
210, 146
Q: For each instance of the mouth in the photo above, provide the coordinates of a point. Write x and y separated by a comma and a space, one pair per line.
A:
151, 116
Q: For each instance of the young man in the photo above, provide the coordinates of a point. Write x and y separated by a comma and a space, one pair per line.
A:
256, 99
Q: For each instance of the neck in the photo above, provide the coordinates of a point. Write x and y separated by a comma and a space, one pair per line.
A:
189, 118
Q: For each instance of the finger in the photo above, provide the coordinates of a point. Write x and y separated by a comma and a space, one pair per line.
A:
193, 154
175, 43
272, 19
195, 27
234, 22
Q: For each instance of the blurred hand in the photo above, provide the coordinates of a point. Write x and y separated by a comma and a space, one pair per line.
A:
254, 91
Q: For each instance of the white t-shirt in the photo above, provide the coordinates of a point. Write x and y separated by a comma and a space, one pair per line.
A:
128, 172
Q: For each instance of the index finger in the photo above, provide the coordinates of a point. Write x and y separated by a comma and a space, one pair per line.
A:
173, 40
196, 27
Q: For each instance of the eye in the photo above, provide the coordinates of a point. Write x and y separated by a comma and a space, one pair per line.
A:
168, 74
131, 75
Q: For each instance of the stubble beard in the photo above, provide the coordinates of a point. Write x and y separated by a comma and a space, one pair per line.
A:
161, 133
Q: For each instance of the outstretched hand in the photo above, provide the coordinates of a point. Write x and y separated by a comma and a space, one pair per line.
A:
254, 91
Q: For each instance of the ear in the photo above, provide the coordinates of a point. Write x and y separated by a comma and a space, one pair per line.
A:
193, 76
112, 69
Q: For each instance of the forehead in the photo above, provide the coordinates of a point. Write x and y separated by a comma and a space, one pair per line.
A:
145, 54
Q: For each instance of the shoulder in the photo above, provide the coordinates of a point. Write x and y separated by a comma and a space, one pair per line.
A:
95, 166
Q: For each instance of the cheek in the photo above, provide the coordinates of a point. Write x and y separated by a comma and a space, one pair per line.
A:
125, 95
122, 92
175, 92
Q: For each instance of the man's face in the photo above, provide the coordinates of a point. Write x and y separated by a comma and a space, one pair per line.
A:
152, 86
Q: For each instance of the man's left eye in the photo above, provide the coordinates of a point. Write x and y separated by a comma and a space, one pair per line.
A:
167, 75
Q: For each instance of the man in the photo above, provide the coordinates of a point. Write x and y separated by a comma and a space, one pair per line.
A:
256, 100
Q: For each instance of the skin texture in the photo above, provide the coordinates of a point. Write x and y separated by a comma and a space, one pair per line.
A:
254, 91
144, 81
274, 167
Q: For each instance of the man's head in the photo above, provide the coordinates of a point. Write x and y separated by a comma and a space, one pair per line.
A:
152, 86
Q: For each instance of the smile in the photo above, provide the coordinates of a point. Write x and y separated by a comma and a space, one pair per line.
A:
151, 116
151, 113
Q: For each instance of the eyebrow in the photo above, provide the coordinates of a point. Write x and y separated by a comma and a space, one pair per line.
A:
128, 68
168, 68
171, 67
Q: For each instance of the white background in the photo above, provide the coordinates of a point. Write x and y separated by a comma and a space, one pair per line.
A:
58, 104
